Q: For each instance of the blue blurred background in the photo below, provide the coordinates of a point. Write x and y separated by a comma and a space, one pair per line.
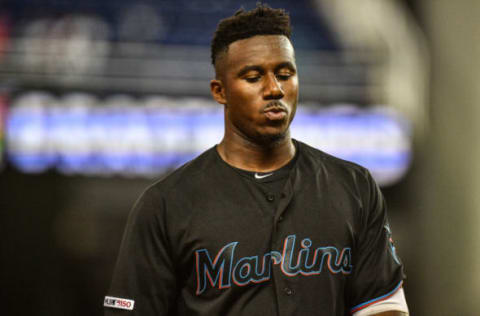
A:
100, 98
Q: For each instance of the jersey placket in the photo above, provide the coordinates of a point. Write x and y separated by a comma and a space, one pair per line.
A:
273, 202
285, 291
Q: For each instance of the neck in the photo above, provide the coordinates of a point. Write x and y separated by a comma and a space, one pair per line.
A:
247, 155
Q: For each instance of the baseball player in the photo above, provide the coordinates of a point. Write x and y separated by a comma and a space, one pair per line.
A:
260, 224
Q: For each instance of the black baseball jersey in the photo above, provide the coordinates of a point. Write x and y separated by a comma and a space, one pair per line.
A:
209, 240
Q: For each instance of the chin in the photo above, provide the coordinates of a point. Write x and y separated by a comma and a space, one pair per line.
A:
271, 139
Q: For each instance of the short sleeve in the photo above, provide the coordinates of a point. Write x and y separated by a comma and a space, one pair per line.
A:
144, 278
378, 271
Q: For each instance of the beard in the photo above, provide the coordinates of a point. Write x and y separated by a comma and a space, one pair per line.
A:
271, 140
267, 136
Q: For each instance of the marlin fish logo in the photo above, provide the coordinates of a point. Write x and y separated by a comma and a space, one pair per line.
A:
391, 245
224, 270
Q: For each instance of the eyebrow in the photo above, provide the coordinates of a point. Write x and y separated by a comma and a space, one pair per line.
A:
286, 64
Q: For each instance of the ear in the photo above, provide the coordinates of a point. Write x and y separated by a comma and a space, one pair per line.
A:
218, 91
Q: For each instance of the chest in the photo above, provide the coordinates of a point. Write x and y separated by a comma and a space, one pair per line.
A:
237, 236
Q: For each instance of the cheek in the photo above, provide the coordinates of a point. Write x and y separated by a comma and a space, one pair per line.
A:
244, 91
243, 98
292, 87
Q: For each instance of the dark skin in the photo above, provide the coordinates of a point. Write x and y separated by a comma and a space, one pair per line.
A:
258, 85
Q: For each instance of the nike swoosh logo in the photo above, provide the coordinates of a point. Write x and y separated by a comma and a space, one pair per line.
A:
261, 176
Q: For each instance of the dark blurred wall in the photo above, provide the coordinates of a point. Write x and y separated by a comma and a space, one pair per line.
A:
445, 233
60, 236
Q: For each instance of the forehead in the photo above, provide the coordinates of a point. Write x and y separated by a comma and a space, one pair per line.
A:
260, 50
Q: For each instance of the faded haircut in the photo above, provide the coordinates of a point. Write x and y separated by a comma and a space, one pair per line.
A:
263, 20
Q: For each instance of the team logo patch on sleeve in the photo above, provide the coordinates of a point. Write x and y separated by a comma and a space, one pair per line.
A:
116, 302
390, 243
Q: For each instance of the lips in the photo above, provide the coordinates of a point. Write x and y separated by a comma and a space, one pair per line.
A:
274, 113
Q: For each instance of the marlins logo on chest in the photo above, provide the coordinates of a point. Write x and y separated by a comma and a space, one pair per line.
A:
226, 269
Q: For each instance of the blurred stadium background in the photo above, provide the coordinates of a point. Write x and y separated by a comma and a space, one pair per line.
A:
100, 98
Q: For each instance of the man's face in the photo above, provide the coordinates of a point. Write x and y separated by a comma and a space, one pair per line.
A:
257, 82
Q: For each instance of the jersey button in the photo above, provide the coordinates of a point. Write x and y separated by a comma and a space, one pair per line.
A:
280, 218
289, 291
270, 197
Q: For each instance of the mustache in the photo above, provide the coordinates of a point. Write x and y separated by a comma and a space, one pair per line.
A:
276, 104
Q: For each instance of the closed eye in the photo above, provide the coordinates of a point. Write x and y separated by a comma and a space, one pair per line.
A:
283, 77
252, 79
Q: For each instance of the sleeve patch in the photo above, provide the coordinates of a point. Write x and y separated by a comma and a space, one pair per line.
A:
116, 302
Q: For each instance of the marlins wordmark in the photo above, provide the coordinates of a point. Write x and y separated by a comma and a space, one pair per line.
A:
225, 269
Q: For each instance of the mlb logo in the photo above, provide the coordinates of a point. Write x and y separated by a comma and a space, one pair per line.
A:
116, 302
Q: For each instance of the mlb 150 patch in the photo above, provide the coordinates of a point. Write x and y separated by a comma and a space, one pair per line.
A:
116, 302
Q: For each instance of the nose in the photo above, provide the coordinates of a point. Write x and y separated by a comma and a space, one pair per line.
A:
273, 88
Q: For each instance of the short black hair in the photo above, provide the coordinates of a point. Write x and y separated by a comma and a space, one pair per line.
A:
263, 20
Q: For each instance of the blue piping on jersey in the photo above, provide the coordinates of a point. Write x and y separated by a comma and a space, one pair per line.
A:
375, 300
